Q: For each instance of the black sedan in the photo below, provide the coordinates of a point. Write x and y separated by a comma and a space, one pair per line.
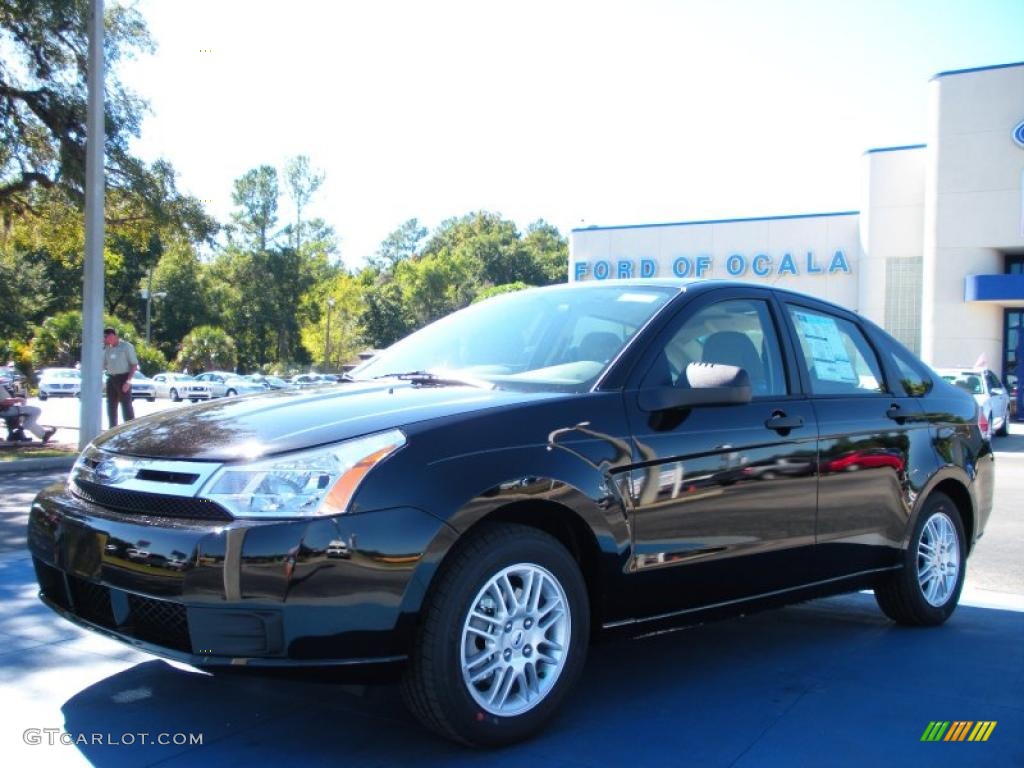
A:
486, 494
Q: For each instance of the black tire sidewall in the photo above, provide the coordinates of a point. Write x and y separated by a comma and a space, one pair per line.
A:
937, 503
475, 725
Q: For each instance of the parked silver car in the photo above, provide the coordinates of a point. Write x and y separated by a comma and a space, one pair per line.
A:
228, 384
59, 382
989, 393
181, 386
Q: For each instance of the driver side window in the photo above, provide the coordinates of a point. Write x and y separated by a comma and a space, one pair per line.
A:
736, 332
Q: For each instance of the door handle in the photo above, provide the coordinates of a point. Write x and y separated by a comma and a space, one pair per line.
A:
780, 422
896, 413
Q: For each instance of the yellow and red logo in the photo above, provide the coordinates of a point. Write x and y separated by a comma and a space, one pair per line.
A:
958, 730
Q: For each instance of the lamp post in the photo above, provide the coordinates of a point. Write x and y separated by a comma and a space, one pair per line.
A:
148, 295
327, 340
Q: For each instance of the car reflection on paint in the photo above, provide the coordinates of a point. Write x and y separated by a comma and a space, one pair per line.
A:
865, 459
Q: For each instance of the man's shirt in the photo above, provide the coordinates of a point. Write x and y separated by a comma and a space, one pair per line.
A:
119, 358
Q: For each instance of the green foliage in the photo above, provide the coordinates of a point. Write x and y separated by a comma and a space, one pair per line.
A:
496, 290
256, 195
57, 341
151, 360
207, 348
43, 97
400, 244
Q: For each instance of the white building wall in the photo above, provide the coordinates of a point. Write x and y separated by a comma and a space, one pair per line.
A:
891, 221
972, 208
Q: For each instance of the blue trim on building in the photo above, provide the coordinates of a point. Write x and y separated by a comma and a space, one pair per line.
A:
994, 288
978, 69
895, 149
718, 221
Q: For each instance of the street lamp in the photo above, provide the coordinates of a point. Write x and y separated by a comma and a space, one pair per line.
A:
327, 340
148, 295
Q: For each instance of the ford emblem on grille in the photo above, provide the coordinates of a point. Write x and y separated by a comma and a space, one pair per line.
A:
108, 471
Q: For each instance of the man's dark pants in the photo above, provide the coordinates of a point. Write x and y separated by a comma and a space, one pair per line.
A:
115, 394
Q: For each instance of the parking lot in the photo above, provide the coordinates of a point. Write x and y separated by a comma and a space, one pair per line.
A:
830, 682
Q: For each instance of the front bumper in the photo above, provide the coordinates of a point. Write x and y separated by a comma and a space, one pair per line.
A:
340, 590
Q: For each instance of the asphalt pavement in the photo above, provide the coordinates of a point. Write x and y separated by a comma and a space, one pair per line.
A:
829, 682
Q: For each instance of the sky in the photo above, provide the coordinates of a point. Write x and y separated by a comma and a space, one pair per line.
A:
580, 113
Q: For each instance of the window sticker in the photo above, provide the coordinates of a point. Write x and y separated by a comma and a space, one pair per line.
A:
825, 346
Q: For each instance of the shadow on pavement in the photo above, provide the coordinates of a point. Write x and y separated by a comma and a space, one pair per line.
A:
828, 682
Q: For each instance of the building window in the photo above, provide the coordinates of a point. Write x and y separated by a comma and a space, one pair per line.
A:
903, 301
1014, 265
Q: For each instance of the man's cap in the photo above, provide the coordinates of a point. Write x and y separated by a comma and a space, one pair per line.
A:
109, 332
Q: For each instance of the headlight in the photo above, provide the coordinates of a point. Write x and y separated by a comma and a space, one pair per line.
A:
307, 484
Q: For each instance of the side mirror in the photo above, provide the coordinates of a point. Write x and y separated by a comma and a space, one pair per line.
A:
706, 384
997, 391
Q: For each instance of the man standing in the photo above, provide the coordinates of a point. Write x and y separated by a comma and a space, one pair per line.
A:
120, 362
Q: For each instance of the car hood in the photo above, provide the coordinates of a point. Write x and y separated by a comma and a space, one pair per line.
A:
287, 420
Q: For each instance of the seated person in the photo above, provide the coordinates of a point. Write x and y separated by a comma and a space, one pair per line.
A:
11, 407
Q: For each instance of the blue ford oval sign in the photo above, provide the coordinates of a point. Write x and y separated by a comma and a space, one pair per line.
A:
1018, 134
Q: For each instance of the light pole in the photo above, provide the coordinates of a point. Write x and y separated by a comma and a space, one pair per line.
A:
148, 295
327, 340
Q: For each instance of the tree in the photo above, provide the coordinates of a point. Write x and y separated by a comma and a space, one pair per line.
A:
207, 348
400, 244
187, 303
43, 68
490, 244
57, 341
548, 250
303, 182
385, 317
256, 194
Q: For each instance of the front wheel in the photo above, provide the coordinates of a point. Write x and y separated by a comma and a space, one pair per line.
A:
175, 397
231, 393
926, 591
503, 637
42, 395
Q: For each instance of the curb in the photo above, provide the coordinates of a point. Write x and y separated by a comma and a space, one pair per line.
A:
37, 465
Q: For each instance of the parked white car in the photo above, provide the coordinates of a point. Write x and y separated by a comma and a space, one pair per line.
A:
228, 384
143, 387
59, 382
181, 386
988, 392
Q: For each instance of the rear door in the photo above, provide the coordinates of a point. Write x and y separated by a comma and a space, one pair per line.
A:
723, 497
864, 443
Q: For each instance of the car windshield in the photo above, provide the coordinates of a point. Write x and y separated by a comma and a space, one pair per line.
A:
65, 374
969, 381
559, 338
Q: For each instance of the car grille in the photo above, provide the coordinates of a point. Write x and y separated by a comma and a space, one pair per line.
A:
155, 504
161, 622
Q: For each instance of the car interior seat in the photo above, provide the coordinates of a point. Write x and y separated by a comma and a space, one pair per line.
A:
735, 348
599, 345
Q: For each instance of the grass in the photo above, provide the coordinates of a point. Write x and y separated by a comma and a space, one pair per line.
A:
16, 451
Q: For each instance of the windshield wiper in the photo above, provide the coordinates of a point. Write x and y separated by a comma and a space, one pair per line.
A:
428, 379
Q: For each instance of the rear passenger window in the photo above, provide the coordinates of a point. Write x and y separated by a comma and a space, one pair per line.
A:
838, 358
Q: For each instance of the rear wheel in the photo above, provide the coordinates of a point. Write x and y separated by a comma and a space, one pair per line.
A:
231, 393
42, 395
926, 591
502, 639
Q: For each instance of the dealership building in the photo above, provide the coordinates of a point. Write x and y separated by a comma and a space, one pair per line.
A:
935, 254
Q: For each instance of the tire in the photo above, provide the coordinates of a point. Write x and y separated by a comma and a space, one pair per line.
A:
230, 393
435, 687
1004, 428
151, 399
42, 395
904, 598
175, 397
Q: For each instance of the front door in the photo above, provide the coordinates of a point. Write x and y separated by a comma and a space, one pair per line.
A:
723, 499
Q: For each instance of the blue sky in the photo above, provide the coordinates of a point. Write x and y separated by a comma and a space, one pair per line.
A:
579, 112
